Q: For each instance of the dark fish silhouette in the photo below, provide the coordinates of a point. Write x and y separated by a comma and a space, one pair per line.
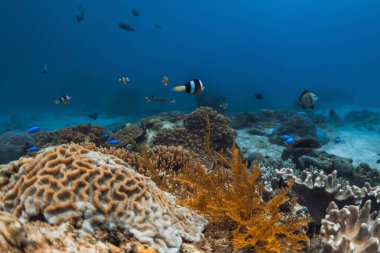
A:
80, 16
93, 115
157, 26
259, 96
332, 113
44, 68
135, 13
154, 100
126, 27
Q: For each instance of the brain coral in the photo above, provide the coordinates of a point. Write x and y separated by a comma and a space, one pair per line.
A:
71, 183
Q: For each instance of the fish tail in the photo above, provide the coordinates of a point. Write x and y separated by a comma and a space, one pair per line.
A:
180, 88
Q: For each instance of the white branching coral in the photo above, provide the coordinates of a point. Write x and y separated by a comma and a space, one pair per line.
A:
350, 230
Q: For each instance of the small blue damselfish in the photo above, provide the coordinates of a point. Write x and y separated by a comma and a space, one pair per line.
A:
113, 142
285, 136
33, 130
337, 140
289, 141
105, 136
32, 149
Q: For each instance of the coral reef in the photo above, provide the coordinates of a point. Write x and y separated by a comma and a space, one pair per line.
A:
76, 134
71, 183
212, 99
350, 230
195, 128
299, 126
13, 146
231, 191
316, 191
129, 134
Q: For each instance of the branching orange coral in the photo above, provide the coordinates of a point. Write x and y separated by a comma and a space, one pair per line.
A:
232, 190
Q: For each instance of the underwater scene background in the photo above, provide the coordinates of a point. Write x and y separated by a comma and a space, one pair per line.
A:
258, 121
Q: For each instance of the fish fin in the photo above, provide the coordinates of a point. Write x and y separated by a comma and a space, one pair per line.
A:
180, 88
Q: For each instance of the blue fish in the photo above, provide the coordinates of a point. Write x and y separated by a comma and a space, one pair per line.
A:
337, 140
32, 149
285, 136
105, 136
33, 130
289, 141
113, 142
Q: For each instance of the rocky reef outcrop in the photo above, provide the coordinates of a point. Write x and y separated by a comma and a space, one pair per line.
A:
13, 146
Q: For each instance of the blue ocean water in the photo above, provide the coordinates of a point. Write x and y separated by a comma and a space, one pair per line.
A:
278, 48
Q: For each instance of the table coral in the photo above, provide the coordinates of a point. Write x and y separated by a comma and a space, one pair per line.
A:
350, 230
70, 183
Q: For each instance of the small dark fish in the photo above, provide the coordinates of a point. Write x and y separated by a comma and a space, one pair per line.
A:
332, 113
337, 140
135, 13
153, 100
80, 16
259, 96
157, 26
44, 68
126, 27
105, 136
305, 144
113, 142
378, 161
33, 130
93, 115
32, 149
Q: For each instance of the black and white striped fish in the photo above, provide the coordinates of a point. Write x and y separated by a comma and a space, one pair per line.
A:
195, 86
64, 99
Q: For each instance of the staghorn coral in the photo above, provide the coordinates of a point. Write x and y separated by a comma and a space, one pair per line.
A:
195, 129
77, 134
236, 194
316, 190
71, 183
350, 230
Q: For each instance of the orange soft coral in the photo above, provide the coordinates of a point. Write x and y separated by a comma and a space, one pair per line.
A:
236, 194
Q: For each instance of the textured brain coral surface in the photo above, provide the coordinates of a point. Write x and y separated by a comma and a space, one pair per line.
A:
70, 183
